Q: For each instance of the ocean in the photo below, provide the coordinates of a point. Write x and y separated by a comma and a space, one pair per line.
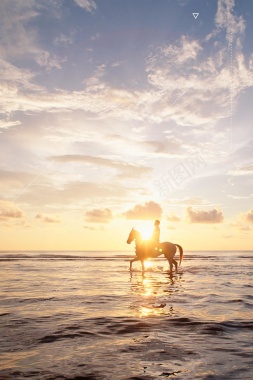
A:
82, 315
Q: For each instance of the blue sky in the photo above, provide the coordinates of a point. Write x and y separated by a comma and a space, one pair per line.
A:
113, 112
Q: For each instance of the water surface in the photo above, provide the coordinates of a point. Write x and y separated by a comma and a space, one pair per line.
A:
81, 315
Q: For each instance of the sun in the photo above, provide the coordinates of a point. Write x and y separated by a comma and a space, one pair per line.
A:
145, 228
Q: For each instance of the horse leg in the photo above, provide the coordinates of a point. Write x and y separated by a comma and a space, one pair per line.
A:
171, 265
131, 262
175, 263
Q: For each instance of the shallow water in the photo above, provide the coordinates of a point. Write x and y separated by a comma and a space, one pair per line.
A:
80, 315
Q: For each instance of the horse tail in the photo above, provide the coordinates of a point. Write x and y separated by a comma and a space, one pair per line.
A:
181, 252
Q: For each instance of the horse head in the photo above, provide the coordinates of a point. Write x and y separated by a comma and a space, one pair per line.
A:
134, 234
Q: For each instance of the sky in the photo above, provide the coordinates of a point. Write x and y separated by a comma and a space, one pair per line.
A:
116, 113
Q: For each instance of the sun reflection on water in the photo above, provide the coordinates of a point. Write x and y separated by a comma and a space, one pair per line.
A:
154, 294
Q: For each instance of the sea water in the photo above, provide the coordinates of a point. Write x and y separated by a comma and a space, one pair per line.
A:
82, 315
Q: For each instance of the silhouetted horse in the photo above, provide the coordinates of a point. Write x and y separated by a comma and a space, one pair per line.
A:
144, 250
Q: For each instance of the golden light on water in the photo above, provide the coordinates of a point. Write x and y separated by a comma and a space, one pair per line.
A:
148, 311
148, 264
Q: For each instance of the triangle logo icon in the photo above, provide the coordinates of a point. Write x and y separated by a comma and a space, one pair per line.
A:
195, 15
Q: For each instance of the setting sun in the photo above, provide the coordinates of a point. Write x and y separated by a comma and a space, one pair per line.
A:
145, 228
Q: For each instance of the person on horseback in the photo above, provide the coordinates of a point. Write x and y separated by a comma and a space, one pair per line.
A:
155, 238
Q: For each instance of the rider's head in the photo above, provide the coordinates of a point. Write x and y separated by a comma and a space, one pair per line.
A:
157, 222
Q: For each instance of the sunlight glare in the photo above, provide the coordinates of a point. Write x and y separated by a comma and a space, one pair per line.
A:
146, 229
147, 264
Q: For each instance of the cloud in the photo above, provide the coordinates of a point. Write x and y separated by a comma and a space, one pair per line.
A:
182, 85
100, 228
89, 5
202, 216
126, 170
45, 59
46, 193
63, 40
188, 201
6, 124
173, 218
247, 169
99, 216
48, 218
225, 19
150, 210
239, 186
16, 36
8, 210
170, 146
248, 216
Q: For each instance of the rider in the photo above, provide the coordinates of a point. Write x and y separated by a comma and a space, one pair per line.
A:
155, 238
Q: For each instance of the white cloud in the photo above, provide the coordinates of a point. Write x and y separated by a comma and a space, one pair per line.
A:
5, 124
246, 169
226, 19
47, 60
18, 38
63, 40
126, 170
89, 5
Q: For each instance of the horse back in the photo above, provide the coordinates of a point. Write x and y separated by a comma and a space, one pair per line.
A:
169, 249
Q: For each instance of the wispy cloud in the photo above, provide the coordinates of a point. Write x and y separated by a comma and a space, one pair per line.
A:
88, 5
48, 218
5, 124
226, 19
173, 218
126, 170
246, 169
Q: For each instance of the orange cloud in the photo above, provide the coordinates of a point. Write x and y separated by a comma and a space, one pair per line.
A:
47, 219
8, 210
249, 216
99, 216
202, 216
150, 210
173, 218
